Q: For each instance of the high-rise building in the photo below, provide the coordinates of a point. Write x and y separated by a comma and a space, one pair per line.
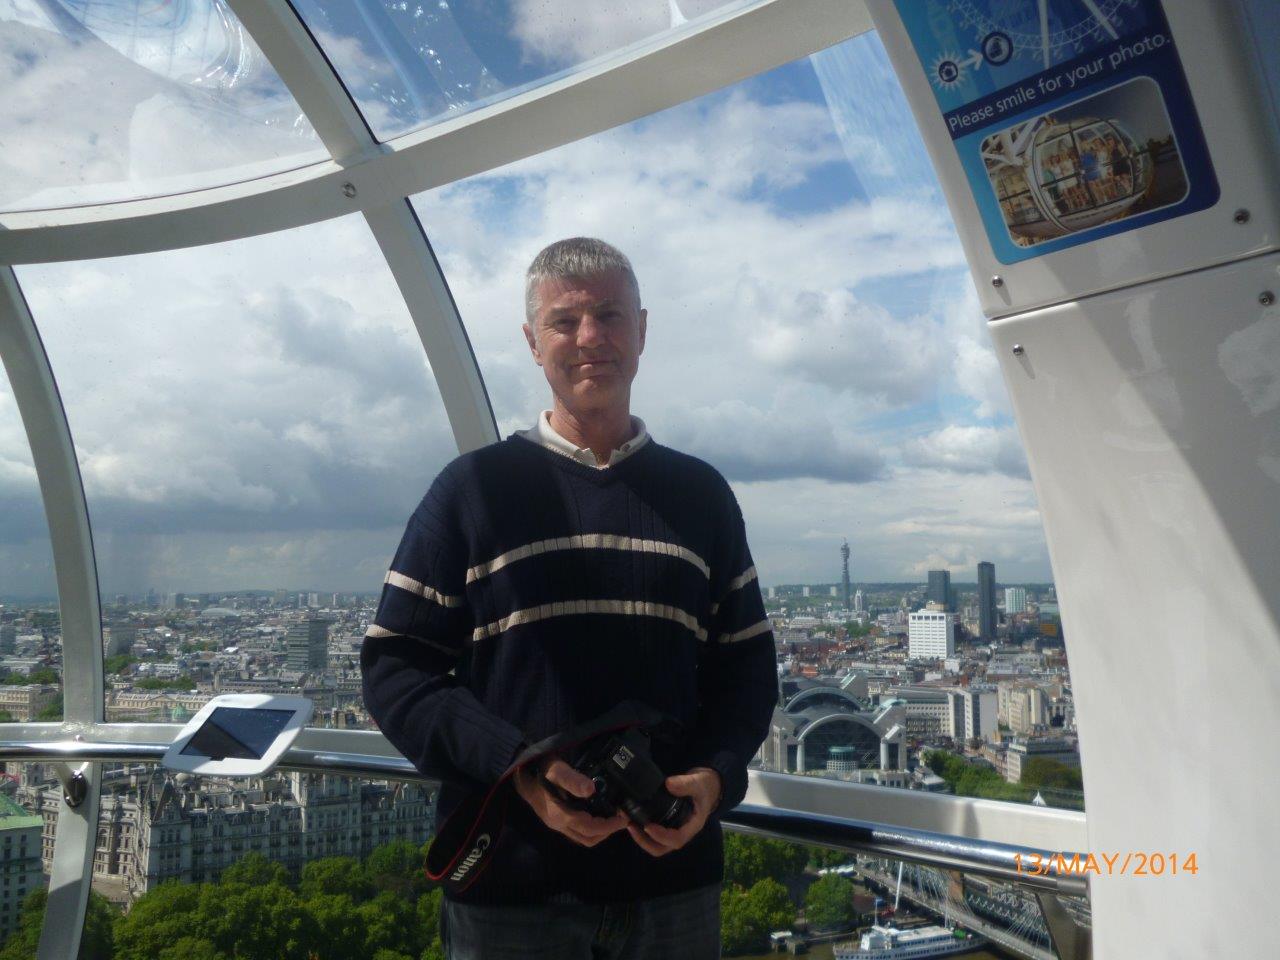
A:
805, 591
972, 714
939, 588
931, 635
844, 579
859, 604
20, 831
1015, 600
987, 601
307, 644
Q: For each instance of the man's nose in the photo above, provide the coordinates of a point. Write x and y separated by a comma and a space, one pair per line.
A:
590, 331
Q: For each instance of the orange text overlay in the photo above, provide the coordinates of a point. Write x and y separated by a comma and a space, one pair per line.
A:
1134, 863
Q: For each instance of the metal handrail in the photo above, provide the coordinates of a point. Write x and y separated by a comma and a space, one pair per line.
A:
944, 851
996, 860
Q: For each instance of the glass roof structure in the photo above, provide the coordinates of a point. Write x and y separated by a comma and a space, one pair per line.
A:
260, 278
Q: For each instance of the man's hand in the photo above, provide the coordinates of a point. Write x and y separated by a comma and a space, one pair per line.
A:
702, 786
578, 825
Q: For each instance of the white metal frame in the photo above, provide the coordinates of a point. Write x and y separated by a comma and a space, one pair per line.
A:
377, 179
45, 421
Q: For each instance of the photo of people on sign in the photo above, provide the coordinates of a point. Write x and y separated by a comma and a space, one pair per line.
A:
1071, 120
1100, 159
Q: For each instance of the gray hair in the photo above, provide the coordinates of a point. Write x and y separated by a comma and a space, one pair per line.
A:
580, 258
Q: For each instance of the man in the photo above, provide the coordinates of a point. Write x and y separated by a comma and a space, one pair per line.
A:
542, 581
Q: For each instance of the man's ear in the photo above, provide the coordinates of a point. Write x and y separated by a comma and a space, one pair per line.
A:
644, 317
533, 343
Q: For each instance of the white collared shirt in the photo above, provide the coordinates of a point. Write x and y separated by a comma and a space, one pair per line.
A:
544, 434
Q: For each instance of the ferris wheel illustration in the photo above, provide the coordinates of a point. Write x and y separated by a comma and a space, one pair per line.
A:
1048, 31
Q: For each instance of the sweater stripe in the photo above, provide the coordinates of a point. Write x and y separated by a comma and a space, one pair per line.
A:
421, 589
737, 583
637, 608
376, 632
587, 541
753, 631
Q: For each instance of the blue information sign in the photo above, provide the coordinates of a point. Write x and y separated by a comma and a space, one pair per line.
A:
1072, 118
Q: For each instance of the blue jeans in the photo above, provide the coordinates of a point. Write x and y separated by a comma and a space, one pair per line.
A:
681, 926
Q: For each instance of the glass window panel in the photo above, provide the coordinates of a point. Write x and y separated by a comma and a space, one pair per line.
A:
813, 332
110, 100
254, 421
408, 64
30, 621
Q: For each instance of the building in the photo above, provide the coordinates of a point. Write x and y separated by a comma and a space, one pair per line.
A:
20, 833
119, 636
972, 713
859, 603
307, 644
25, 701
1015, 600
830, 729
987, 601
1047, 748
939, 590
931, 635
844, 574
155, 826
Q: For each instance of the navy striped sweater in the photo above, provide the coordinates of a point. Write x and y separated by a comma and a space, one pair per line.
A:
532, 593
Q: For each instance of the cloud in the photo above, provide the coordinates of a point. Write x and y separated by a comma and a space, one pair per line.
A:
969, 449
83, 122
747, 443
565, 32
830, 337
265, 391
259, 413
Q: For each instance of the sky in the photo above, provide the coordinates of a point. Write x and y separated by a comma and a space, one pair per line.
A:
259, 414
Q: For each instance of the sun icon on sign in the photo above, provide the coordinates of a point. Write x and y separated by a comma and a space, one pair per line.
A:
947, 70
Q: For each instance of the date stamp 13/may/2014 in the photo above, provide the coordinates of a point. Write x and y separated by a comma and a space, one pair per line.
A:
1132, 863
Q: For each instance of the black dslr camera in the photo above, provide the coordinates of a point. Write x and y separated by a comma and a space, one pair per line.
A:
625, 777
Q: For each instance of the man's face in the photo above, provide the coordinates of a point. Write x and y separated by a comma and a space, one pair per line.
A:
587, 337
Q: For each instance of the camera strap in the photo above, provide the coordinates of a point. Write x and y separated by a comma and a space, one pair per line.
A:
466, 841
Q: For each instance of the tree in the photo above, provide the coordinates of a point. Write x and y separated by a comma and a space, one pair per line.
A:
52, 710
334, 875
117, 663
829, 902
191, 948
749, 859
97, 941
22, 943
398, 866
259, 923
340, 925
388, 923
255, 870
428, 912
769, 902
6, 716
821, 857
160, 918
1043, 772
747, 917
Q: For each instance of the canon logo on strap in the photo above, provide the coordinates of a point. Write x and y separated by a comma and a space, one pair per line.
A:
482, 844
